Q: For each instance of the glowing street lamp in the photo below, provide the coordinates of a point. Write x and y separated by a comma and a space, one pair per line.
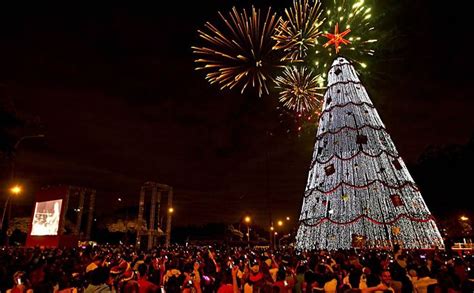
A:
247, 220
287, 218
170, 210
15, 190
464, 218
280, 223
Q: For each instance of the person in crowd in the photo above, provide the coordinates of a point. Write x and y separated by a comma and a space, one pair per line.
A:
144, 285
20, 283
95, 263
299, 279
285, 280
399, 273
125, 279
99, 279
423, 281
229, 283
385, 286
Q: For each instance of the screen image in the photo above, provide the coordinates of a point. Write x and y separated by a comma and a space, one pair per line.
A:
46, 218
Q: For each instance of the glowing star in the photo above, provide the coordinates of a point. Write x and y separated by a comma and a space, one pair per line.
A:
337, 38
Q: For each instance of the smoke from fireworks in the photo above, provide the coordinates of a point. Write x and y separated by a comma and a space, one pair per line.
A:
300, 90
239, 54
296, 34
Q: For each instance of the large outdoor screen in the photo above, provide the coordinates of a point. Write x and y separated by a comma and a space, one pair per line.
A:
46, 218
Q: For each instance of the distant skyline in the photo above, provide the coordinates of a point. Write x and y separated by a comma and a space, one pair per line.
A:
122, 104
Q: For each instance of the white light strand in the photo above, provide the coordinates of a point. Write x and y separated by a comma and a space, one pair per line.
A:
370, 183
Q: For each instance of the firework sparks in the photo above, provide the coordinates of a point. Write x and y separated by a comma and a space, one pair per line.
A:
298, 32
347, 16
300, 90
240, 54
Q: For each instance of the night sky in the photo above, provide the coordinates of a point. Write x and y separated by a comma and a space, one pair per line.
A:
121, 104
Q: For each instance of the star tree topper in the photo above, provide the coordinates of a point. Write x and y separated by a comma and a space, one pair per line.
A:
337, 38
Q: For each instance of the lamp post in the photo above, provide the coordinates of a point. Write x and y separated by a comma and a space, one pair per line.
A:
15, 190
247, 221
280, 224
168, 224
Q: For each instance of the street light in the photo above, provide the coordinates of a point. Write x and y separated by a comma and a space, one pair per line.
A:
287, 218
464, 218
170, 210
280, 224
15, 190
247, 221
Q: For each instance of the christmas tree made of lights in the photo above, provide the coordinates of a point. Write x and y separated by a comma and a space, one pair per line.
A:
359, 192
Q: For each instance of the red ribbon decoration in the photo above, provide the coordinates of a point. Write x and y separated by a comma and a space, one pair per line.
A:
430, 217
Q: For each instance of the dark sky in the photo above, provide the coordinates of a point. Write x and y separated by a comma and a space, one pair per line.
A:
121, 103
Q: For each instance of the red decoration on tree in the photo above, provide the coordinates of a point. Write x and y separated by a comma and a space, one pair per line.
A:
361, 139
329, 169
396, 164
337, 38
358, 241
396, 200
390, 222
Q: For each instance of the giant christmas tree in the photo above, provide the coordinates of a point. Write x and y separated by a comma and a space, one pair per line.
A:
359, 192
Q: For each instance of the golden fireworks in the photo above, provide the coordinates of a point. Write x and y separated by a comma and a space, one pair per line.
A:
300, 89
298, 33
241, 53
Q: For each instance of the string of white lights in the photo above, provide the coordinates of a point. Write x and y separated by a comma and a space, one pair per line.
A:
359, 191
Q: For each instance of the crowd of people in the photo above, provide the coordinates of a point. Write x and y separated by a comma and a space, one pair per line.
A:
231, 269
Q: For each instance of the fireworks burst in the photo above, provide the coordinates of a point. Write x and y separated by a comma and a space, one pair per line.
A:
298, 32
353, 19
240, 54
300, 90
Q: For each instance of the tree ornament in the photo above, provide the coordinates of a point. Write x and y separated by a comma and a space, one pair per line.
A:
395, 230
396, 164
361, 139
329, 170
358, 241
396, 200
345, 197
